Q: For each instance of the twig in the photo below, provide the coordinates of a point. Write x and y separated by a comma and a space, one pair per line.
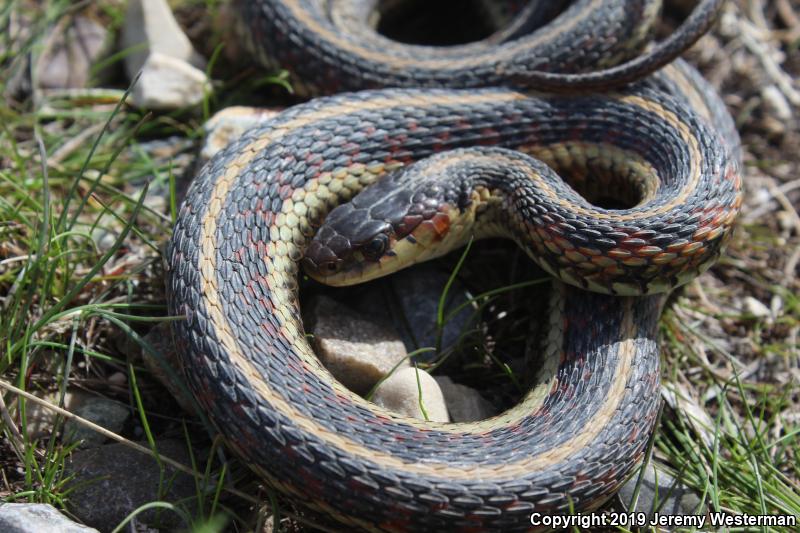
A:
749, 35
769, 205
73, 144
790, 18
16, 436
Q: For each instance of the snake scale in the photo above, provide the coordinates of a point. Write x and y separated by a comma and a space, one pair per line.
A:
471, 111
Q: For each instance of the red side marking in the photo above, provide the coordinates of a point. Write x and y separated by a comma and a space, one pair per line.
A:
489, 136
443, 138
397, 524
310, 482
440, 223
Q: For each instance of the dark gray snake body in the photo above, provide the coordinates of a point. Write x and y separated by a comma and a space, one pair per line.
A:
250, 214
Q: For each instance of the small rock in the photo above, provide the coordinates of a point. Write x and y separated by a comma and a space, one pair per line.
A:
35, 518
117, 378
229, 124
356, 350
169, 83
40, 419
786, 220
112, 480
403, 391
69, 53
172, 75
662, 493
755, 307
417, 291
419, 298
151, 28
104, 238
106, 413
776, 305
464, 404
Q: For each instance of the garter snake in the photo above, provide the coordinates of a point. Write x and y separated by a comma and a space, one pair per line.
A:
252, 211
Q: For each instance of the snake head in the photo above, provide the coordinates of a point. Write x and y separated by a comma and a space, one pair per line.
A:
345, 244
384, 228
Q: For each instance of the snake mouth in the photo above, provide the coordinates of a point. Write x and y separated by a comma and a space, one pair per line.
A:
350, 265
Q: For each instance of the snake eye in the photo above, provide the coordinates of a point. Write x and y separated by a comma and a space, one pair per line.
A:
375, 248
332, 266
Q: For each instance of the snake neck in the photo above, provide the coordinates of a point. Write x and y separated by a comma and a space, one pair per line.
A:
440, 205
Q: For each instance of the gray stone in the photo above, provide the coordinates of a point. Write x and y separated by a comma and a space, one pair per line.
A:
70, 51
104, 238
36, 518
464, 404
229, 124
169, 83
755, 307
662, 493
403, 390
356, 350
112, 480
417, 290
40, 419
172, 71
150, 27
105, 413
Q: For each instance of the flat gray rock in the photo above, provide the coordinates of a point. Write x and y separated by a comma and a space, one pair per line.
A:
418, 293
172, 71
662, 493
414, 304
150, 27
36, 518
106, 413
169, 83
464, 404
356, 350
112, 480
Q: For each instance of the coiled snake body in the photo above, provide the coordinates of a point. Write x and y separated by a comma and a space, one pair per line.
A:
251, 212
